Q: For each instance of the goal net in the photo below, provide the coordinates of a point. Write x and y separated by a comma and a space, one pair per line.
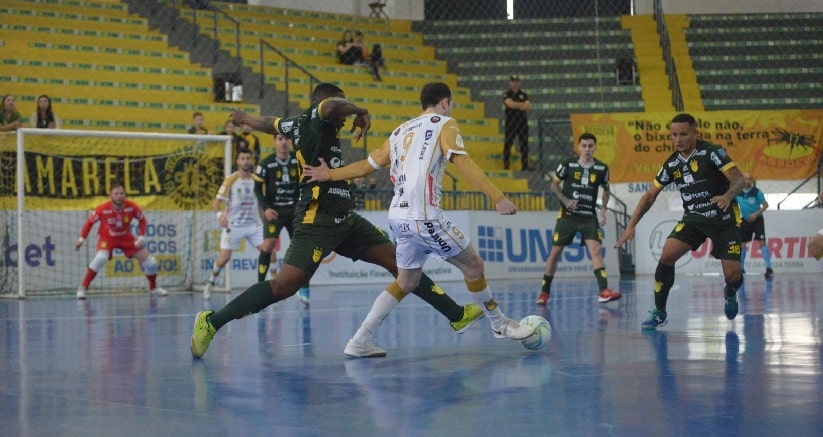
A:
50, 180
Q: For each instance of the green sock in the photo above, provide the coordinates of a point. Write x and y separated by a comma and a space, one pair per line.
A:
602, 280
263, 261
547, 283
254, 299
433, 295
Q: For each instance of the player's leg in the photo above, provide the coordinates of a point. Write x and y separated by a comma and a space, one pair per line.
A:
728, 252
97, 263
564, 232
150, 267
760, 236
593, 237
507, 145
229, 241
524, 146
678, 243
271, 231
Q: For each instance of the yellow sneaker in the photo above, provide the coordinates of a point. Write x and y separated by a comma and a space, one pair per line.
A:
202, 334
471, 313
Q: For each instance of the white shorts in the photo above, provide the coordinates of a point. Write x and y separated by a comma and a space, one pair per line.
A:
417, 239
230, 238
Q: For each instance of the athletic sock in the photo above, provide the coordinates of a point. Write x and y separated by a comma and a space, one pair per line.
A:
547, 283
482, 295
263, 261
767, 256
663, 281
602, 279
254, 299
433, 295
382, 306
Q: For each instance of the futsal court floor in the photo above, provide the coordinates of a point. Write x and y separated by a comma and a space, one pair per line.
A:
121, 365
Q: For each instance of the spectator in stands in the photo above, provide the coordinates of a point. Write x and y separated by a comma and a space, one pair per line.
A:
9, 117
198, 128
373, 56
816, 240
358, 193
250, 141
582, 177
348, 52
752, 204
517, 105
44, 117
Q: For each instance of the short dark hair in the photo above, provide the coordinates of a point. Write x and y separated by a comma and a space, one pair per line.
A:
685, 118
587, 136
324, 91
433, 92
241, 150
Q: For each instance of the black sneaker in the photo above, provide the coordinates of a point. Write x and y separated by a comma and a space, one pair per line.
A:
769, 273
731, 305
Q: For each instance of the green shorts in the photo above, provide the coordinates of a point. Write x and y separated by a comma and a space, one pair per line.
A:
310, 244
568, 226
725, 237
285, 219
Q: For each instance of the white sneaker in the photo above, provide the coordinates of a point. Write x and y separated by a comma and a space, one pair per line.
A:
303, 295
207, 290
509, 328
367, 350
159, 292
81, 293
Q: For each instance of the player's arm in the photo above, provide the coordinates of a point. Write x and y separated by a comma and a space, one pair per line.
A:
338, 108
736, 183
376, 160
262, 124
143, 224
643, 206
84, 231
554, 187
475, 175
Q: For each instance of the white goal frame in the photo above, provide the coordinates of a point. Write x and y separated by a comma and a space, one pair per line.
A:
20, 175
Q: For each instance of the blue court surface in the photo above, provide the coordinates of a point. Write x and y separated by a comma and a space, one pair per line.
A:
121, 365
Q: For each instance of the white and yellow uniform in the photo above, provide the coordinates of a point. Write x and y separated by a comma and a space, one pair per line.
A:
243, 212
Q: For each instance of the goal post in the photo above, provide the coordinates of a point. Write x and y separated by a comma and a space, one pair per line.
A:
51, 179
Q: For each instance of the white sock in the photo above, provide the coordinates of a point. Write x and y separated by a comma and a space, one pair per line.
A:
382, 306
484, 296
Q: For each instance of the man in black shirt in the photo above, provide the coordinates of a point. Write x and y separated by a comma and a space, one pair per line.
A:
517, 123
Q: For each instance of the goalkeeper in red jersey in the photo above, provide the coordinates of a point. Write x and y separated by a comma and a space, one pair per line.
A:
115, 218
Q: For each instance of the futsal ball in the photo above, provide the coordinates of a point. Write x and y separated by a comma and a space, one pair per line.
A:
542, 332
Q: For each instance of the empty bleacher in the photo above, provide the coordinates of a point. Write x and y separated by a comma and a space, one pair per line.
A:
102, 67
758, 61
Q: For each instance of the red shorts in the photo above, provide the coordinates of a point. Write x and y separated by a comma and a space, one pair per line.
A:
124, 243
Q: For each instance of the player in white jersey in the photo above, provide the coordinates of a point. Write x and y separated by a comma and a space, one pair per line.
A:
418, 151
238, 213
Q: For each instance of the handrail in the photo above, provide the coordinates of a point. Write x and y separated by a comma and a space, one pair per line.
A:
209, 6
453, 178
671, 68
289, 62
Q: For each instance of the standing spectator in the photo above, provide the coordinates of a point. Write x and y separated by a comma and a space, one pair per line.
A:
115, 217
582, 178
238, 213
276, 180
249, 140
44, 117
415, 217
324, 222
9, 117
198, 128
517, 105
708, 180
752, 203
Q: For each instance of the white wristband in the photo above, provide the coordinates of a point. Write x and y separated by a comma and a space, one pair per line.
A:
80, 240
219, 214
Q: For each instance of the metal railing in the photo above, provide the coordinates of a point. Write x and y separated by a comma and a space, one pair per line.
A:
288, 63
665, 43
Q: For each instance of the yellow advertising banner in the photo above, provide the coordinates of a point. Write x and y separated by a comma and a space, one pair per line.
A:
76, 173
782, 145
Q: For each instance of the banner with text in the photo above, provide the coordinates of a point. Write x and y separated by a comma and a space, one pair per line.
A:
771, 144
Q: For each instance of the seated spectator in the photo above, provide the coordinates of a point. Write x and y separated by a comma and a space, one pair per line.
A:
250, 141
348, 52
9, 117
44, 117
198, 128
374, 57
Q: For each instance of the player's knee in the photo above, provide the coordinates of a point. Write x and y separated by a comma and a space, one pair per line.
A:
99, 260
149, 265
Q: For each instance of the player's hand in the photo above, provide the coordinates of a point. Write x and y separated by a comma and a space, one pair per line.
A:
362, 122
506, 207
223, 220
140, 242
238, 117
722, 202
602, 221
79, 243
571, 204
628, 235
270, 214
317, 173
